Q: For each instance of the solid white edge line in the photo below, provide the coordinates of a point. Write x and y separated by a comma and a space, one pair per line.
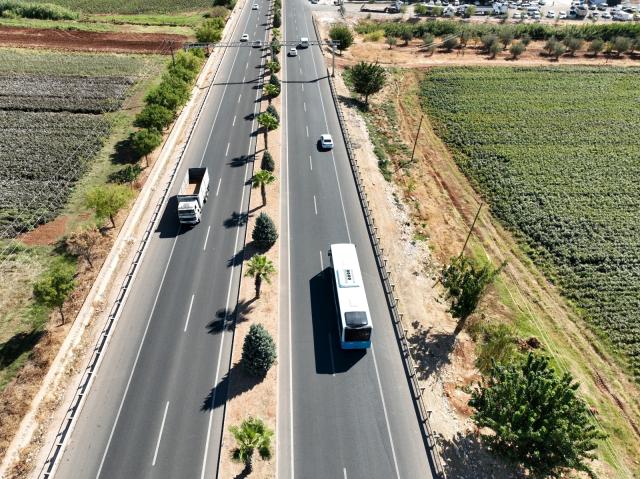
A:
386, 415
189, 313
286, 102
135, 362
206, 238
218, 188
164, 417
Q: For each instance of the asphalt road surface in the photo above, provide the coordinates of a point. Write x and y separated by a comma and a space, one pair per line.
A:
156, 407
342, 414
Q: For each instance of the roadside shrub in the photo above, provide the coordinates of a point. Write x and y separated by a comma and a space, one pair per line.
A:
172, 93
573, 44
156, 117
277, 19
273, 112
267, 162
258, 351
450, 43
621, 45
488, 40
145, 141
217, 12
273, 80
128, 174
420, 9
596, 46
210, 31
516, 49
374, 36
498, 346
265, 232
41, 11
341, 33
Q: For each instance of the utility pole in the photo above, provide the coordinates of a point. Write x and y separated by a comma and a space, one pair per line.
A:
333, 59
173, 57
470, 230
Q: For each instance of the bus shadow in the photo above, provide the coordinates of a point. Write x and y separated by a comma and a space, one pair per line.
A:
330, 357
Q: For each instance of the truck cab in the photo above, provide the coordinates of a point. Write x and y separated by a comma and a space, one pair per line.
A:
192, 196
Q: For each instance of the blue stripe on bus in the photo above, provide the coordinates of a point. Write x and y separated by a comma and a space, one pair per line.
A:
355, 344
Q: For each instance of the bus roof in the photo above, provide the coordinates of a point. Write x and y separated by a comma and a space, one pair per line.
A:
348, 278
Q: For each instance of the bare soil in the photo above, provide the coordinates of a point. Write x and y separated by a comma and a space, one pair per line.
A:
72, 40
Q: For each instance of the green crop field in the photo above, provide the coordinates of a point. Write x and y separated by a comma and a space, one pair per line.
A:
132, 6
556, 153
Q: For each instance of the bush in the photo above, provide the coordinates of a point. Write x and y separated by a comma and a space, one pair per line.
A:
273, 112
450, 43
277, 19
172, 93
516, 49
621, 45
218, 12
55, 286
265, 232
210, 31
487, 41
596, 46
267, 162
128, 174
273, 80
341, 33
145, 141
155, 117
573, 44
258, 351
41, 11
498, 346
374, 36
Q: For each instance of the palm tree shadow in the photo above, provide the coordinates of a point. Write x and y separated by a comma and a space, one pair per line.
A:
431, 351
465, 456
226, 319
227, 390
244, 473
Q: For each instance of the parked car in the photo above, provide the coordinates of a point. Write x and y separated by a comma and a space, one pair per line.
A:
536, 15
551, 14
606, 15
326, 142
516, 16
244, 37
562, 15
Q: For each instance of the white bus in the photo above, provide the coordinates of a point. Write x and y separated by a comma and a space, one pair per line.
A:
354, 319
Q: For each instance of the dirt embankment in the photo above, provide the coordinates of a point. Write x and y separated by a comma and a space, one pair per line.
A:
71, 40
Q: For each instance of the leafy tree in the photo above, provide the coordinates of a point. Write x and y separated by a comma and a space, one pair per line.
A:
550, 45
437, 11
558, 50
275, 47
506, 37
271, 91
341, 33
274, 80
537, 418
260, 268
82, 243
407, 36
494, 49
498, 346
466, 282
596, 46
573, 44
274, 66
267, 162
251, 435
53, 289
261, 179
487, 41
391, 41
171, 93
275, 33
258, 351
155, 117
128, 174
277, 19
186, 65
450, 43
525, 39
145, 141
265, 232
268, 122
368, 79
429, 43
516, 49
108, 200
621, 45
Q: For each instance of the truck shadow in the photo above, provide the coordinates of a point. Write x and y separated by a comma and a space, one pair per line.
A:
330, 357
169, 226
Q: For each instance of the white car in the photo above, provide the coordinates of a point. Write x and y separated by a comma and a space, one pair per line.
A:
516, 16
562, 15
254, 6
293, 52
257, 44
551, 14
244, 37
326, 142
606, 15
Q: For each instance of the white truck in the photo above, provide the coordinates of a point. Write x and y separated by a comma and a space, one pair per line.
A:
193, 195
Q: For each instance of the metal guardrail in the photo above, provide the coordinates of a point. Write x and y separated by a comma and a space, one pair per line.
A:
389, 289
48, 469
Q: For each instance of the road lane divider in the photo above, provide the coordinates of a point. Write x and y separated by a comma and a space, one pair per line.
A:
191, 305
164, 418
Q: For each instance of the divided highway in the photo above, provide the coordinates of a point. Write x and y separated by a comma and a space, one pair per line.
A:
342, 414
157, 404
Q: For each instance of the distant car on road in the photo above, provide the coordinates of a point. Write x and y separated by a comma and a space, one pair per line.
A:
257, 43
293, 52
326, 142
254, 6
244, 37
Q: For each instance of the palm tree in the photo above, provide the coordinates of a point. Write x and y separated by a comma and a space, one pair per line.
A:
260, 267
252, 434
268, 122
271, 91
263, 178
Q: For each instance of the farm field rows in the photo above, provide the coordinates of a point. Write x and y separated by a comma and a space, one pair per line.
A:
133, 6
555, 152
50, 129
